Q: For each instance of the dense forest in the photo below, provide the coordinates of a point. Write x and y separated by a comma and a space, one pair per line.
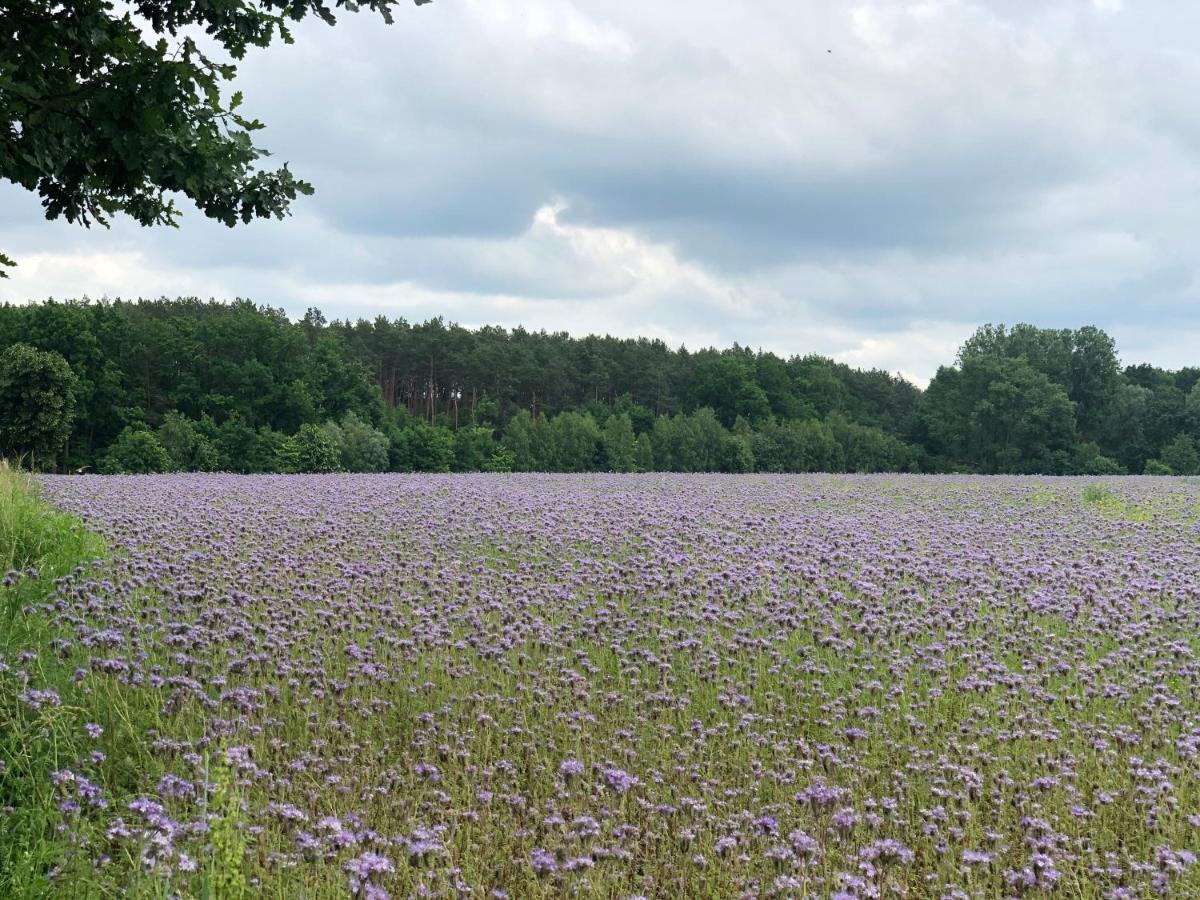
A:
163, 385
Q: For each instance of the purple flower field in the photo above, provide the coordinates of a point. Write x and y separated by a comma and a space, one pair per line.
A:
632, 686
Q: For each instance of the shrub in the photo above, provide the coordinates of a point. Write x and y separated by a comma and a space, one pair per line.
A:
360, 447
423, 448
474, 448
500, 461
135, 452
1181, 456
188, 448
310, 449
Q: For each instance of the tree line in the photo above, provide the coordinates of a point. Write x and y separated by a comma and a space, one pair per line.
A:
190, 385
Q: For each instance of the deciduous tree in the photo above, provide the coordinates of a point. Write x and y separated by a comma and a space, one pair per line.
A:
107, 110
37, 403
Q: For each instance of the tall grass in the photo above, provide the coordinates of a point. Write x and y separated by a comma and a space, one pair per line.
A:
38, 545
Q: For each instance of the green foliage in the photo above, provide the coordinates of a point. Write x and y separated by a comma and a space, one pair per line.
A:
641, 418
106, 111
725, 383
246, 376
225, 873
796, 447
1180, 456
643, 453
475, 450
233, 380
675, 444
1157, 467
187, 447
311, 450
1090, 461
618, 444
34, 536
529, 441
501, 460
574, 440
997, 414
360, 447
241, 447
698, 443
1082, 362
1103, 465
423, 448
37, 403
736, 455
136, 451
865, 449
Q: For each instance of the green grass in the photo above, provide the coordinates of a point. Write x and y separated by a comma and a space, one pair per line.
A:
42, 544
38, 857
35, 536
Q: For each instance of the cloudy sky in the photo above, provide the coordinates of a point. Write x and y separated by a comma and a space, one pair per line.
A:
868, 180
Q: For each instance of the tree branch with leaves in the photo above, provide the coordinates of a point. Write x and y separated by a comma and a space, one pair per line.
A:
105, 112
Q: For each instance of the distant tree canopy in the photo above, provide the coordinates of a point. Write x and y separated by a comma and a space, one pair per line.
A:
106, 110
998, 414
189, 385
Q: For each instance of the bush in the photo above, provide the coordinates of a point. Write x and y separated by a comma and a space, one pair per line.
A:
1157, 467
240, 447
574, 440
1105, 465
528, 439
422, 448
807, 446
643, 454
310, 449
736, 455
1181, 456
1088, 460
867, 449
188, 448
500, 461
135, 452
474, 449
360, 447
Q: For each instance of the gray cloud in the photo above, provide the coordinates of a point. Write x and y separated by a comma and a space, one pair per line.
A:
869, 180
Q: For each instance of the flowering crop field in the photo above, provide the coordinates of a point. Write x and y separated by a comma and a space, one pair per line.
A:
536, 686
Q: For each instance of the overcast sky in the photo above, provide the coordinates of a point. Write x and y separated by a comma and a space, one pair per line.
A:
866, 180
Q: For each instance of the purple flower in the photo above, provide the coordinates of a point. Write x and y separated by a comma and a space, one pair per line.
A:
619, 780
363, 868
543, 863
570, 768
37, 699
